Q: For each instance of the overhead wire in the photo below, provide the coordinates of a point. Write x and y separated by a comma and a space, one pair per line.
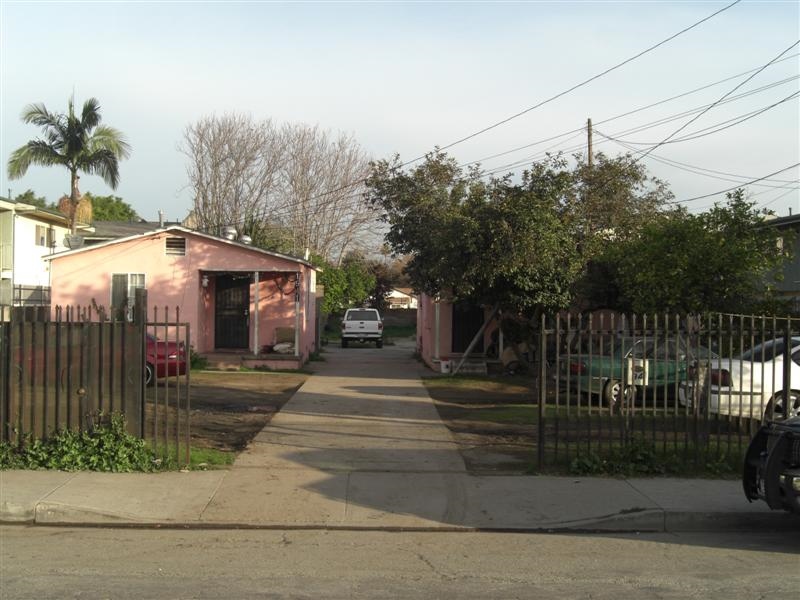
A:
710, 173
548, 100
712, 128
685, 125
697, 109
579, 85
717, 193
703, 132
643, 108
638, 128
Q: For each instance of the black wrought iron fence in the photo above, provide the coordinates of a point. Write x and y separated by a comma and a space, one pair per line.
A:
695, 388
167, 406
66, 368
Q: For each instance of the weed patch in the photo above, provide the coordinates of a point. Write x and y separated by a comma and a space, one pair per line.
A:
107, 446
640, 458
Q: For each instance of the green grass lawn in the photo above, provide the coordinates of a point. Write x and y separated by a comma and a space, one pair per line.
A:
585, 438
200, 458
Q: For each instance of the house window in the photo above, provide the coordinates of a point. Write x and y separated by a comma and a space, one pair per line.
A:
44, 235
176, 246
123, 291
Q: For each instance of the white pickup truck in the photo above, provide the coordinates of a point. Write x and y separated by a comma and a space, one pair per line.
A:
362, 325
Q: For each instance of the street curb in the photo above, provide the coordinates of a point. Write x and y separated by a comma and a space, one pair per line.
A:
46, 514
687, 521
17, 513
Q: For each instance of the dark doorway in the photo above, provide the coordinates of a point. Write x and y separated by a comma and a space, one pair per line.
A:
467, 321
232, 314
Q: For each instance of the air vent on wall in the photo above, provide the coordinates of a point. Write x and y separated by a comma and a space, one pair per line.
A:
176, 246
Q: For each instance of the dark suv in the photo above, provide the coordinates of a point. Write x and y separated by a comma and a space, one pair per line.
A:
772, 466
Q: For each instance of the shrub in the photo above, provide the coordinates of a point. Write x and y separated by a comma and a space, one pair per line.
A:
107, 446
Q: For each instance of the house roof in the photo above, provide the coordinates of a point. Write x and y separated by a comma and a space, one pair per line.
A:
50, 215
789, 221
45, 214
109, 230
404, 290
184, 230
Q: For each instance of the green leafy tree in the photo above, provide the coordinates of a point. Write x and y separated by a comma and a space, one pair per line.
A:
30, 197
719, 260
77, 142
610, 200
385, 279
346, 286
111, 208
491, 242
613, 197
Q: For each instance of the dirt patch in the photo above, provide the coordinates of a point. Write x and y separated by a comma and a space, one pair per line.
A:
229, 409
484, 416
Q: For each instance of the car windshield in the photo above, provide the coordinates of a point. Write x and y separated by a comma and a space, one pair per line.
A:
645, 347
362, 315
767, 351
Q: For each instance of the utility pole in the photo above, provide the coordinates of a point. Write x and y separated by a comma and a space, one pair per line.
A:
589, 138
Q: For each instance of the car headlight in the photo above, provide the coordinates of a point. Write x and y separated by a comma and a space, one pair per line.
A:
794, 482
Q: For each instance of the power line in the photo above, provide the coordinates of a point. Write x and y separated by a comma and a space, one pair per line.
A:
685, 125
653, 105
637, 129
736, 187
779, 197
697, 109
361, 181
710, 173
711, 129
579, 85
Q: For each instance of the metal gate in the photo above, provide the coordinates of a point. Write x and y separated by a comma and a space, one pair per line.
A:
232, 302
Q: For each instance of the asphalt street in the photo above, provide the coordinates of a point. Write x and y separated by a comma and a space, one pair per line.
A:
58, 563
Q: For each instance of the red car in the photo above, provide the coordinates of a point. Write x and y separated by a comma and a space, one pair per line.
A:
164, 359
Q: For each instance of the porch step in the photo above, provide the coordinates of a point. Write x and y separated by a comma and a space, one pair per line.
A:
471, 367
219, 361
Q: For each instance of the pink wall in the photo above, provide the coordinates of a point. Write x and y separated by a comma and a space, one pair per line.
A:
175, 282
426, 331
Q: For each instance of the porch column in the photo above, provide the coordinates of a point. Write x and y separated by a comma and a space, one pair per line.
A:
256, 300
436, 329
297, 314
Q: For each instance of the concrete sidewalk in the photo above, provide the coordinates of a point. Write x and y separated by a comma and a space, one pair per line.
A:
361, 446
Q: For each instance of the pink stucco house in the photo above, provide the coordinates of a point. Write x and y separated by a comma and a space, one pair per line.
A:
237, 299
445, 330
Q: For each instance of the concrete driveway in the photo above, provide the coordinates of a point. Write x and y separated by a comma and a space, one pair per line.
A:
358, 442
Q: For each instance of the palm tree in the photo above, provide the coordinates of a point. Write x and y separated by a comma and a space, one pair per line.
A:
77, 142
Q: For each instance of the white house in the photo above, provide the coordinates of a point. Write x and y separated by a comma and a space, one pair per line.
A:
27, 234
401, 298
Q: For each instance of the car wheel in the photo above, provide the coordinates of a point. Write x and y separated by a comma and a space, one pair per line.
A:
615, 393
379, 344
149, 374
344, 343
777, 409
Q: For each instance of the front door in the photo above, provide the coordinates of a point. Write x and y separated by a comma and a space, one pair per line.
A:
467, 321
232, 318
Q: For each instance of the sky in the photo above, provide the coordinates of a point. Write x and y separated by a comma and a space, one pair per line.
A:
405, 77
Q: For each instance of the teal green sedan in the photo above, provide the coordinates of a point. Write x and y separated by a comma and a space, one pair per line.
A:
618, 369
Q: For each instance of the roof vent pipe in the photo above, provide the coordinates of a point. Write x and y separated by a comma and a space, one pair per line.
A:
161, 219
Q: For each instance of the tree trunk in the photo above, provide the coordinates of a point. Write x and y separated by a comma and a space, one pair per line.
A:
74, 198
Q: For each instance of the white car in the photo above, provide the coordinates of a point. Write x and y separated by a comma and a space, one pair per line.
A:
751, 384
362, 325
